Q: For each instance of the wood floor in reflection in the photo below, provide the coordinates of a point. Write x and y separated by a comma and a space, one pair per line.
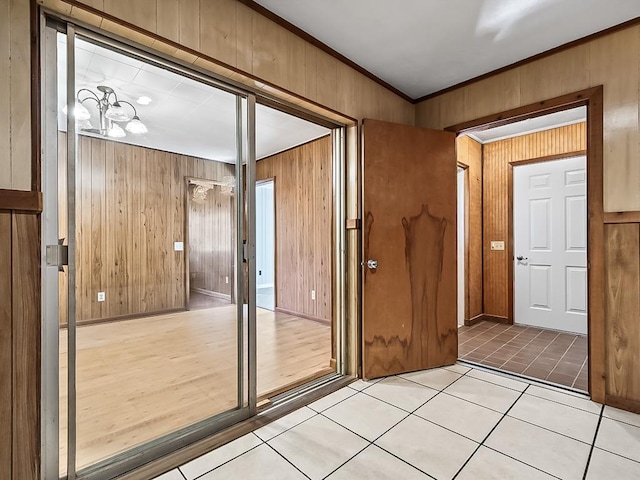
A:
140, 379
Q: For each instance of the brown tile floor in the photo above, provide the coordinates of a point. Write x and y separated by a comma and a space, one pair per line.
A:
544, 354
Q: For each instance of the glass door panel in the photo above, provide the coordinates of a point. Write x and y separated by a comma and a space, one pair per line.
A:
153, 331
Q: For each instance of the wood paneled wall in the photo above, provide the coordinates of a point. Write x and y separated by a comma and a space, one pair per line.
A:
469, 153
19, 345
211, 242
15, 85
622, 306
248, 48
612, 61
304, 214
130, 211
496, 191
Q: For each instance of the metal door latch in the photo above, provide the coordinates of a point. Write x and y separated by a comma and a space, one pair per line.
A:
57, 255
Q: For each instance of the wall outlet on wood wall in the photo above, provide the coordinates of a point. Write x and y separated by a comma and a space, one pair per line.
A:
101, 296
313, 294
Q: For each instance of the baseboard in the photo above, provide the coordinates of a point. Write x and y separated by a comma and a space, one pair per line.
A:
130, 316
489, 318
473, 321
497, 319
622, 403
303, 315
210, 293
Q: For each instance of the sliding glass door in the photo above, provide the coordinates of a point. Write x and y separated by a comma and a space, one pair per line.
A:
149, 240
152, 169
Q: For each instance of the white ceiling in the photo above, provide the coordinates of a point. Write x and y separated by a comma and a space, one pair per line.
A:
422, 46
538, 124
185, 116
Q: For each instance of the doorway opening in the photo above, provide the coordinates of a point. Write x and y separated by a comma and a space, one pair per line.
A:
265, 245
527, 278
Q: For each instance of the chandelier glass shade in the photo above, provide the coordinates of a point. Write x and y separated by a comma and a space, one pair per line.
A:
111, 112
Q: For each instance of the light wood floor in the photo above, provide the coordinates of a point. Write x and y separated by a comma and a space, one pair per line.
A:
140, 379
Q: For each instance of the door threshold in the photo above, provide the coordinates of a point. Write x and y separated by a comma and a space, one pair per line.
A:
519, 376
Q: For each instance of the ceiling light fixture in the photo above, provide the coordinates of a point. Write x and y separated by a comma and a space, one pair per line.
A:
143, 100
111, 112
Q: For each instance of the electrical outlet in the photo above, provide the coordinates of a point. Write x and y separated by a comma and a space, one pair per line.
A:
497, 245
178, 246
226, 279
101, 297
313, 294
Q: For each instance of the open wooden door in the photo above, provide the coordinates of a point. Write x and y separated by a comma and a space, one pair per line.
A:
409, 229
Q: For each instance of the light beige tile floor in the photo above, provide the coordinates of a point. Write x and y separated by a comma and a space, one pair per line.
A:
447, 423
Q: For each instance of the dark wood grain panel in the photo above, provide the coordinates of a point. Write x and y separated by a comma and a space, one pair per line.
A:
497, 159
6, 348
26, 345
304, 232
20, 200
622, 306
469, 154
130, 211
409, 301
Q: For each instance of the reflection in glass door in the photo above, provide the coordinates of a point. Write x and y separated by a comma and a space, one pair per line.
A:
149, 168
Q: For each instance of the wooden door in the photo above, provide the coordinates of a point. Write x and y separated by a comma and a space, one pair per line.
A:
409, 229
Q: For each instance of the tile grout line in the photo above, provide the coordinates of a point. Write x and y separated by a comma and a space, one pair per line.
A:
538, 356
223, 463
585, 363
488, 435
287, 460
501, 453
372, 442
564, 355
593, 445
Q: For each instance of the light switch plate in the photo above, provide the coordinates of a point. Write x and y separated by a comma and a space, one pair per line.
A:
497, 245
101, 296
178, 246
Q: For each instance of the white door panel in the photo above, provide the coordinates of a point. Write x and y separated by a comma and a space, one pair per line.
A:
550, 238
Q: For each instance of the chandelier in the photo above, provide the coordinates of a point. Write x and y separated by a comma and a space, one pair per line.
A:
111, 114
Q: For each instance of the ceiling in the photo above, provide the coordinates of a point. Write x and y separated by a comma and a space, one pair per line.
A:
423, 46
537, 124
184, 116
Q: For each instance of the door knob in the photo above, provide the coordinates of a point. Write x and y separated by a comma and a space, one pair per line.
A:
521, 258
372, 264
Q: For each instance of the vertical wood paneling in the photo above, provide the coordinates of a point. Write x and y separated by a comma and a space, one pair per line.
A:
469, 153
615, 61
141, 13
5, 100
130, 211
167, 14
622, 305
25, 266
303, 197
6, 347
211, 243
496, 158
20, 95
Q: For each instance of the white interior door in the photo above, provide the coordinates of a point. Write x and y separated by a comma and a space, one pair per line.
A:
550, 244
461, 244
265, 246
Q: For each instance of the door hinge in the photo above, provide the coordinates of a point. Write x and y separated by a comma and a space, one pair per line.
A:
57, 255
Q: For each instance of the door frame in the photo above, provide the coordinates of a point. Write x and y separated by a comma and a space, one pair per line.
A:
187, 251
592, 98
510, 229
465, 168
275, 237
